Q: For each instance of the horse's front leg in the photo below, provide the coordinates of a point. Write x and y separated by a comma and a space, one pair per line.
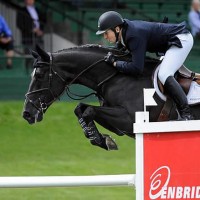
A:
85, 115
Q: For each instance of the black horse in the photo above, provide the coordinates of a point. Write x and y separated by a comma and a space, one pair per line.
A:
120, 95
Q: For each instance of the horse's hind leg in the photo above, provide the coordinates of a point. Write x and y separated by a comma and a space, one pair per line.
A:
85, 118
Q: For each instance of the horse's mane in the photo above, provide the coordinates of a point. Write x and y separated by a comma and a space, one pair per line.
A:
104, 49
92, 47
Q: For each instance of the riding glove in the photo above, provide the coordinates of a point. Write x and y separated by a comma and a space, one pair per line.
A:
110, 58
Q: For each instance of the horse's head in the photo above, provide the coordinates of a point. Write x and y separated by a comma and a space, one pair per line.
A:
45, 87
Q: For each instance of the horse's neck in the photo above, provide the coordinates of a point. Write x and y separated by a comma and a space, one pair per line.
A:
75, 63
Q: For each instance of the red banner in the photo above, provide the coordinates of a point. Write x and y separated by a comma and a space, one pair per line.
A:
172, 165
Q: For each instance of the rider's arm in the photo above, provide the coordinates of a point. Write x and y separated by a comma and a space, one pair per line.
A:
135, 66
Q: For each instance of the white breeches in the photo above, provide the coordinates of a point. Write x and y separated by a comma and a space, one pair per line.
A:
175, 57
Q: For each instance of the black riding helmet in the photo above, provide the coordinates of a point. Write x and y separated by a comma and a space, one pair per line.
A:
109, 20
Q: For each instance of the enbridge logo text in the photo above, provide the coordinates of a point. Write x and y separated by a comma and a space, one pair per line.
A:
160, 187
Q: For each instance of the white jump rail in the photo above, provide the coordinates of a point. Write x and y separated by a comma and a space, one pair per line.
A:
67, 181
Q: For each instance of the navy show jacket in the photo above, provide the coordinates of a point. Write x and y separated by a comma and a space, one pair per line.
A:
141, 36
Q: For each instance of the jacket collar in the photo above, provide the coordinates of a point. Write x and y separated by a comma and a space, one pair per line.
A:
123, 37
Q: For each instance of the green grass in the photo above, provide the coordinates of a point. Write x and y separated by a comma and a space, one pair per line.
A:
57, 146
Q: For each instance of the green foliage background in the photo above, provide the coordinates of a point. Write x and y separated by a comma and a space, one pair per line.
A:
57, 146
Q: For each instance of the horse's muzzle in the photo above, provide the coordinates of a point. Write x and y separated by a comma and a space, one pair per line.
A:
32, 119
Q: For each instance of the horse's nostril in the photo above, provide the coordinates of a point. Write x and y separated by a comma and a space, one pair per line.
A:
26, 114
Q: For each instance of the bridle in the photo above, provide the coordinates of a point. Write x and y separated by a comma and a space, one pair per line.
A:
44, 105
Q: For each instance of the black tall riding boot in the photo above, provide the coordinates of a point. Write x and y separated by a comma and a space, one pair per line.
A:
175, 92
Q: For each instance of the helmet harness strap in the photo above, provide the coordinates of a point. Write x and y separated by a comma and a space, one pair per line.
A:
116, 34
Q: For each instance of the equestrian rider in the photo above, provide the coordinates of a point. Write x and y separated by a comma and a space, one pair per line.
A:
174, 40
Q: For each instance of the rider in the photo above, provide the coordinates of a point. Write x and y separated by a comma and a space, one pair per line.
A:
139, 37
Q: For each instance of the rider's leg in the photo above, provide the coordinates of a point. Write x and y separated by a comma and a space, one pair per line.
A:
175, 91
172, 61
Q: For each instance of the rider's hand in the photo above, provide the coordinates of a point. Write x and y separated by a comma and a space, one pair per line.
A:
110, 58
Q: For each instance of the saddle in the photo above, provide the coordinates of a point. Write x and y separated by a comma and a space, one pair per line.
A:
189, 81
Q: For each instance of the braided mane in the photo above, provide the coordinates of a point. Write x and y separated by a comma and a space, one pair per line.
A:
104, 49
90, 46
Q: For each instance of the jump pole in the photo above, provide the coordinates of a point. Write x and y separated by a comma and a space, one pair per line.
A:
67, 181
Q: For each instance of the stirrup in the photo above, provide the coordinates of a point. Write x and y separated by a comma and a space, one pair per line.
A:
185, 117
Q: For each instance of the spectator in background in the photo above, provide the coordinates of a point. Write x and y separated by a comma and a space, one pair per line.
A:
194, 18
6, 41
31, 23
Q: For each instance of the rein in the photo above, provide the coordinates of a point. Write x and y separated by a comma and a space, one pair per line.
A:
81, 97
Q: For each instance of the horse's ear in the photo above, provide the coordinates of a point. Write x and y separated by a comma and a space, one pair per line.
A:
34, 54
44, 55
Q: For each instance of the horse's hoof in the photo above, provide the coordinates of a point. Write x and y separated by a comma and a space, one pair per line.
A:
110, 143
106, 143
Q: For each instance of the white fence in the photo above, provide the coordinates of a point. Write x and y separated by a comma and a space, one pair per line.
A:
67, 181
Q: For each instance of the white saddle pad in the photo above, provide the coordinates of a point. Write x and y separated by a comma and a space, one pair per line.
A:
193, 95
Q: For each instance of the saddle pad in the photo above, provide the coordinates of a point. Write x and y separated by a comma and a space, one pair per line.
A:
194, 94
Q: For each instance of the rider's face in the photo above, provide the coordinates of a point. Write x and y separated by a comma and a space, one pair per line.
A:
110, 36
